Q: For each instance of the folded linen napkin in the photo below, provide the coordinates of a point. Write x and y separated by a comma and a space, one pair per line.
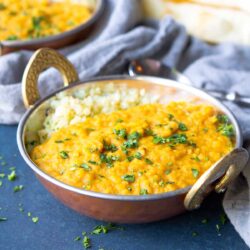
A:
123, 37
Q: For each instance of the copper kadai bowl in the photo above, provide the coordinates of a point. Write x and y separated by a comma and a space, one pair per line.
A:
62, 39
121, 208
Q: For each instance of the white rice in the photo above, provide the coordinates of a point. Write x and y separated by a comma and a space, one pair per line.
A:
68, 109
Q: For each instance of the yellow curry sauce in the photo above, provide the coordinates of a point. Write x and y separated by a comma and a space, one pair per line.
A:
146, 149
29, 19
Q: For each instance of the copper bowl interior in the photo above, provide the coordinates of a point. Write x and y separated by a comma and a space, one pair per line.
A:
118, 208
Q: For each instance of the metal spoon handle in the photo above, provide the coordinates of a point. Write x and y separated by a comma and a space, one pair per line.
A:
230, 96
156, 68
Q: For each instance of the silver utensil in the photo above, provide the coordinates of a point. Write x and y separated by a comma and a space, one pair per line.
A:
156, 68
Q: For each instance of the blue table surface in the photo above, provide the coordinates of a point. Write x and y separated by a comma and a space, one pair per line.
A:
58, 225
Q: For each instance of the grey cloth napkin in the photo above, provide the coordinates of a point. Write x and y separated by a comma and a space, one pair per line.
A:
123, 36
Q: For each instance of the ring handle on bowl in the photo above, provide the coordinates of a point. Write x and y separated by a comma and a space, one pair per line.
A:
41, 60
231, 164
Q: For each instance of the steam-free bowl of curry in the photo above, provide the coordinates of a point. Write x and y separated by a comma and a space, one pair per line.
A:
31, 24
131, 156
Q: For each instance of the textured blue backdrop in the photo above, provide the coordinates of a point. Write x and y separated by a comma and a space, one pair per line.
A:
58, 226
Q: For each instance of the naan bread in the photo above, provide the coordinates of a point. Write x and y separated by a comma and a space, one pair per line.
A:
214, 21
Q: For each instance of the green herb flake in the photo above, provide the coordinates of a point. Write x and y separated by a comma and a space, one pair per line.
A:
195, 172
3, 219
1, 183
221, 118
120, 132
130, 158
84, 233
12, 38
100, 229
223, 219
2, 6
148, 132
168, 171
86, 242
119, 120
128, 177
134, 136
86, 167
170, 117
170, 164
77, 238
170, 182
35, 219
196, 158
29, 214
109, 147
12, 176
226, 130
204, 221
2, 175
148, 161
143, 191
194, 234
18, 188
93, 162
64, 155
182, 127
138, 155
173, 139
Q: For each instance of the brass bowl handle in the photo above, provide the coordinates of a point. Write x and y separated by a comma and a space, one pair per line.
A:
231, 164
41, 60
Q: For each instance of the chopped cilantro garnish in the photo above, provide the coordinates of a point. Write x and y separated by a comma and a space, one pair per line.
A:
134, 136
128, 177
170, 182
93, 162
182, 127
223, 219
3, 218
204, 221
196, 158
225, 127
222, 118
195, 172
120, 132
86, 242
138, 155
77, 238
1, 183
148, 161
161, 183
29, 214
168, 171
12, 176
194, 234
2, 6
109, 160
130, 158
35, 219
173, 139
227, 130
119, 120
143, 191
129, 144
149, 132
2, 175
86, 167
100, 229
109, 147
170, 116
18, 188
64, 154
12, 38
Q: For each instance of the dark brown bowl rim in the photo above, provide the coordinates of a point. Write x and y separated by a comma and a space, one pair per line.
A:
39, 41
194, 90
